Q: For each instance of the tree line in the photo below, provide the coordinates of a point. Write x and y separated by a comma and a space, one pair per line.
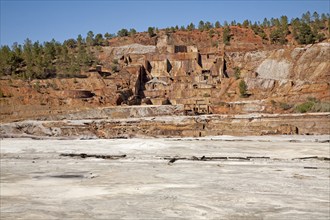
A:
73, 56
49, 59
305, 30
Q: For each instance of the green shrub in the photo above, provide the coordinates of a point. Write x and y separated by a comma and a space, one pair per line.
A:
285, 106
115, 65
114, 68
226, 35
151, 31
305, 107
321, 107
243, 89
53, 85
211, 33
313, 105
237, 72
123, 32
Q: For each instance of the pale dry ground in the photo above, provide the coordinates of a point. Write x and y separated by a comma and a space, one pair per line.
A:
37, 183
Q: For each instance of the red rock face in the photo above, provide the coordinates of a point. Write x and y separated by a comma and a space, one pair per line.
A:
201, 73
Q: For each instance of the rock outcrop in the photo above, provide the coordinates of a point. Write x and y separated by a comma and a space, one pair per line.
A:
169, 126
178, 69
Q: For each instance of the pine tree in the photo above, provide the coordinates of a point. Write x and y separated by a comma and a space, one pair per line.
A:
151, 31
28, 58
16, 57
226, 35
49, 58
6, 61
80, 40
243, 89
208, 26
98, 41
245, 23
71, 43
305, 34
306, 17
324, 17
201, 25
132, 32
122, 33
265, 23
277, 23
284, 24
277, 36
37, 51
217, 24
191, 27
108, 36
90, 38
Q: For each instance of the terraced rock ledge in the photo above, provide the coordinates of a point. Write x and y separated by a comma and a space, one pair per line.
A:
144, 123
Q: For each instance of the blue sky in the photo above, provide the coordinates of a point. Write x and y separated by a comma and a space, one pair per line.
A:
61, 20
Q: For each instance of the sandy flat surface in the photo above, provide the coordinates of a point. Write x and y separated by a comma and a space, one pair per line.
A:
283, 177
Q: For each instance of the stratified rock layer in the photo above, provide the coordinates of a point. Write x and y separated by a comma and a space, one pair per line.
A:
171, 126
180, 76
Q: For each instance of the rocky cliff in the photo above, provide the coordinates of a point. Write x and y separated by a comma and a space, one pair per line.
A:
184, 69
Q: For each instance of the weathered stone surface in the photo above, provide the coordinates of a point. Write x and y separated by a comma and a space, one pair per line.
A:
311, 64
118, 52
175, 126
260, 84
273, 184
122, 112
273, 69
